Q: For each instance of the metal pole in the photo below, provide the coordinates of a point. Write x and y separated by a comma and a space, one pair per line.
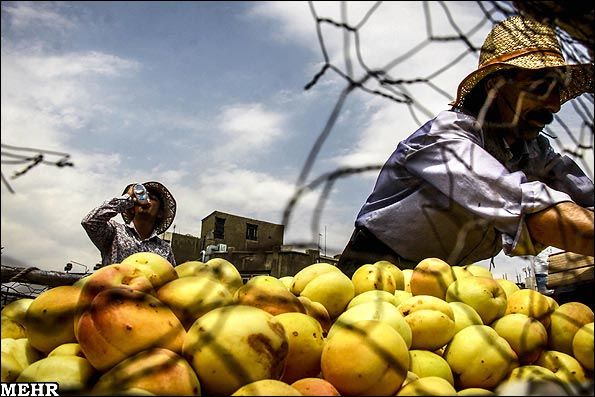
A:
324, 240
80, 264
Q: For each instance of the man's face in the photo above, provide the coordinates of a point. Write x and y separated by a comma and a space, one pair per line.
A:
152, 209
527, 101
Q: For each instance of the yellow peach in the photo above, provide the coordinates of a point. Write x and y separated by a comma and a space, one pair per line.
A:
121, 322
369, 358
431, 276
158, 371
305, 340
234, 345
50, 318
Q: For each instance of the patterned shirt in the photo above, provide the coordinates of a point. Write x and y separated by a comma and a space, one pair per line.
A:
117, 241
447, 192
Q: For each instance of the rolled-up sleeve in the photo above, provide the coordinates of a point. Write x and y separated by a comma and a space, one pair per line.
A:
97, 222
536, 196
563, 174
452, 159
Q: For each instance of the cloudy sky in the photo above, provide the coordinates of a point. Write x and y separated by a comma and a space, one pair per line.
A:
209, 98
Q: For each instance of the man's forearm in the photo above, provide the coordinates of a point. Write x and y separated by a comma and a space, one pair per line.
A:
567, 226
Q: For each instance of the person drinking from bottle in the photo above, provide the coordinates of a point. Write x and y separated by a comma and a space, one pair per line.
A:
144, 220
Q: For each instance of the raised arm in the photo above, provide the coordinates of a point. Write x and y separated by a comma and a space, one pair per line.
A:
97, 222
566, 225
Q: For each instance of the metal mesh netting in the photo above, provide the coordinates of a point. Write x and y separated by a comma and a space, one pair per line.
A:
380, 81
576, 141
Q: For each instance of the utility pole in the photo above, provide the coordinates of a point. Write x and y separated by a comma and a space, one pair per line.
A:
324, 240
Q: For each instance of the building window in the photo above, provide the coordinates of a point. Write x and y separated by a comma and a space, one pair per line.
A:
219, 227
251, 232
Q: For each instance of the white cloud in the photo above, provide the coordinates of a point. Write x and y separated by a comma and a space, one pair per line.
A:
246, 129
41, 220
381, 39
254, 193
172, 119
46, 100
91, 63
45, 97
24, 14
381, 42
388, 124
292, 19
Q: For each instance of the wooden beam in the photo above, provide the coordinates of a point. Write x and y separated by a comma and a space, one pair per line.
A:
33, 275
567, 260
586, 273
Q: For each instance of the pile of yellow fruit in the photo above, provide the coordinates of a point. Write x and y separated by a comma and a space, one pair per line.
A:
144, 327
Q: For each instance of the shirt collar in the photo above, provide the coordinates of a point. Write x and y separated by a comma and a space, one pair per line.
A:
131, 226
520, 149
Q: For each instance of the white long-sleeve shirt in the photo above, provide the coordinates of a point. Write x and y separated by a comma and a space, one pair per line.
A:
443, 194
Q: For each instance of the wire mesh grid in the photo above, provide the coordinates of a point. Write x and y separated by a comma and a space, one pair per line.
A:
377, 82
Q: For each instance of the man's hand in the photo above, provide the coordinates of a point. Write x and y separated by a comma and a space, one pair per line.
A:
566, 225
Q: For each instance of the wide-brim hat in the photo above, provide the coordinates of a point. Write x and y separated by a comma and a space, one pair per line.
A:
519, 42
168, 204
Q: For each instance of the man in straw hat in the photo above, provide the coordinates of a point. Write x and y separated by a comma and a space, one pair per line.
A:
144, 221
480, 177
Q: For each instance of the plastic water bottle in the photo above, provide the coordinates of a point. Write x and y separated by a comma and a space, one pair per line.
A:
541, 272
141, 194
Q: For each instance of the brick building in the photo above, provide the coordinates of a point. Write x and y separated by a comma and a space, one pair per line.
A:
253, 246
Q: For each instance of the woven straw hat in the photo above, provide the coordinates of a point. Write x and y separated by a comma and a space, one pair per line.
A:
167, 201
519, 42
